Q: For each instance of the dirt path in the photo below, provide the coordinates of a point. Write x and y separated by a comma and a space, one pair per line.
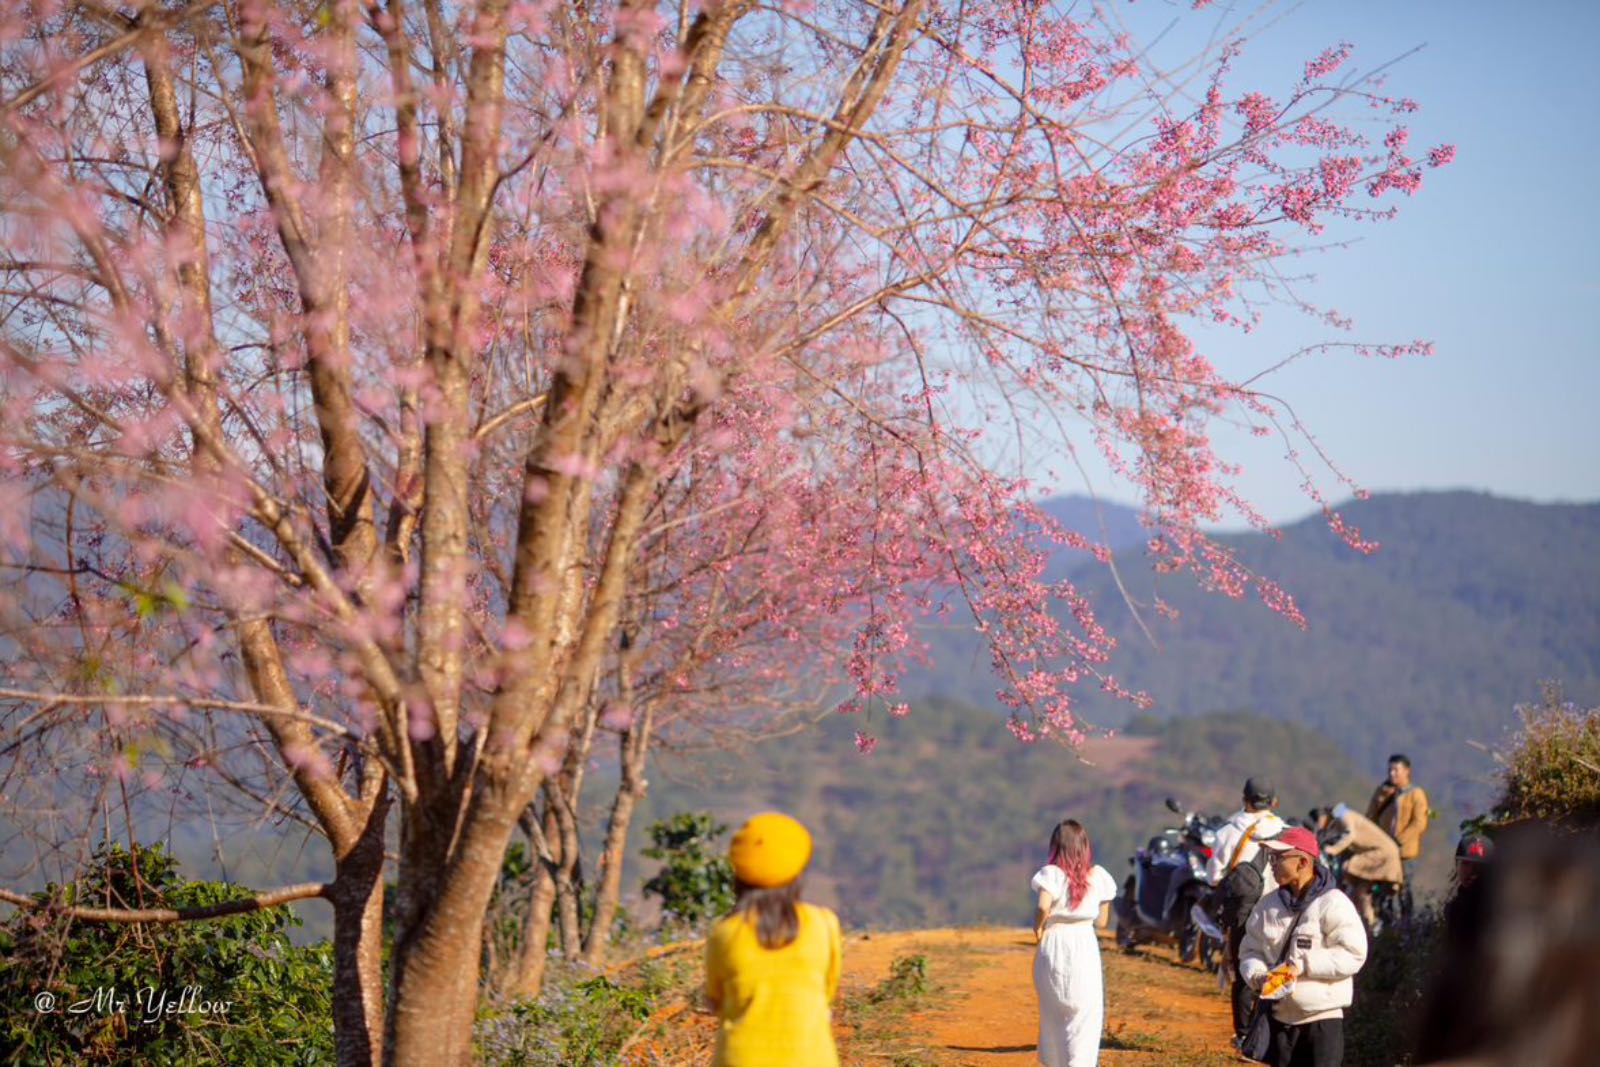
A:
984, 1013
981, 1010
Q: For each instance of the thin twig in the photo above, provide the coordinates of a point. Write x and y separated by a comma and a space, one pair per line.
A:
258, 902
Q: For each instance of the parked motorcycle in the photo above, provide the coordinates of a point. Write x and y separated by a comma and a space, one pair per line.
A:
1161, 896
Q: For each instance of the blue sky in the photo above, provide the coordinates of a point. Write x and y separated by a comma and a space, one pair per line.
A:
1495, 260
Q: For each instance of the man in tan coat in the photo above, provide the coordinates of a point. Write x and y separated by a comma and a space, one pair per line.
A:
1401, 808
1371, 855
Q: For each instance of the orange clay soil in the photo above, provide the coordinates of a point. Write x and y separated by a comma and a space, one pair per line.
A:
982, 1010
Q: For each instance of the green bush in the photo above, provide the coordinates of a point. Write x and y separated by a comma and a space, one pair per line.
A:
1389, 991
908, 980
572, 1024
1553, 771
108, 979
695, 882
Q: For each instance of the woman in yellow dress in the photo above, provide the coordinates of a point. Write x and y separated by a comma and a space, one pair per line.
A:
772, 966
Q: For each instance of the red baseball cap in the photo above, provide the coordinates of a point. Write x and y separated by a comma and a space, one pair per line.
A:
1295, 839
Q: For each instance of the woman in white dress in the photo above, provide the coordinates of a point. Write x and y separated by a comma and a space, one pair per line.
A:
1074, 894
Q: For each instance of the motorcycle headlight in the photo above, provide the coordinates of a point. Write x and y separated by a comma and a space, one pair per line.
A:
1208, 837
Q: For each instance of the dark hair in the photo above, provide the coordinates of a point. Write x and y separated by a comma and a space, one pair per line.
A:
1400, 758
1258, 793
1318, 813
773, 910
1069, 850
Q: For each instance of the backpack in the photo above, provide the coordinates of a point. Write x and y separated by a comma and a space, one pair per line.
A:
1241, 886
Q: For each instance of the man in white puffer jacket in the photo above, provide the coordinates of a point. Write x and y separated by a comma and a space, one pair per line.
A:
1330, 945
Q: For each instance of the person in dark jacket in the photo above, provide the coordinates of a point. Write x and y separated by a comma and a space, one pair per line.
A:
1517, 980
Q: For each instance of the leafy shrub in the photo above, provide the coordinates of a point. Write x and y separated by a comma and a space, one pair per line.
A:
877, 1017
1553, 771
108, 978
696, 881
572, 1024
1390, 989
908, 980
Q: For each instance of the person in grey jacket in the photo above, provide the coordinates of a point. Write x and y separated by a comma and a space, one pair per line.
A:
1329, 947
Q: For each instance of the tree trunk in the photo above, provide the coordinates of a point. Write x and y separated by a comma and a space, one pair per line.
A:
568, 912
528, 981
635, 746
567, 874
358, 947
434, 992
609, 893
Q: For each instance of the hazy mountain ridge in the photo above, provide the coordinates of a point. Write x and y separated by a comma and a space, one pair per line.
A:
1426, 644
946, 821
1422, 646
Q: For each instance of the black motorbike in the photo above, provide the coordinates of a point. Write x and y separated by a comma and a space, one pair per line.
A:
1160, 896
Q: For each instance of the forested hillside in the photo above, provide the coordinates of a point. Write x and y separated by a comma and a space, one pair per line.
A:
1423, 646
947, 819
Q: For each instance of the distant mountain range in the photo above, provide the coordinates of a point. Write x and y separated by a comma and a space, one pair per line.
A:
1116, 526
1423, 647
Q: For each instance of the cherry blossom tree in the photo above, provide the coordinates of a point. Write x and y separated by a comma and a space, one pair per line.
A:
751, 589
368, 371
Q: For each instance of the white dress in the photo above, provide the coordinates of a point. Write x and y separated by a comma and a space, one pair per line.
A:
1066, 970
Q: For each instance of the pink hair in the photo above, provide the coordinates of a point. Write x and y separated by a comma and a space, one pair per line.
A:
1069, 850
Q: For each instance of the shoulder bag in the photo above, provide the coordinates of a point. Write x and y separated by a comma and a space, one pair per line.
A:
1256, 1043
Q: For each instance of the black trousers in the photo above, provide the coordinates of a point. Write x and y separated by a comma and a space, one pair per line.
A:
1318, 1044
1244, 998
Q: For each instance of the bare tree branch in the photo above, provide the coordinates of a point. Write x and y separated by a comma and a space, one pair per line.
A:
257, 902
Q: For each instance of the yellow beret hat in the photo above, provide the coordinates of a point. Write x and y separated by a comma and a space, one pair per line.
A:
770, 850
